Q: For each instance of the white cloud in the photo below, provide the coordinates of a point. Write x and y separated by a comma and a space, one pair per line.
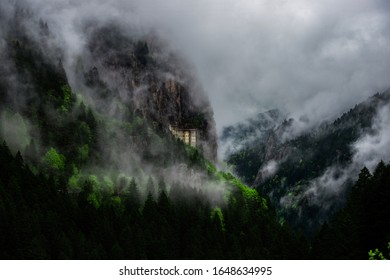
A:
307, 57
368, 150
374, 147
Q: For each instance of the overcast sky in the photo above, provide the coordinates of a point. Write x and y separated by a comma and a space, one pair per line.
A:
314, 58
311, 57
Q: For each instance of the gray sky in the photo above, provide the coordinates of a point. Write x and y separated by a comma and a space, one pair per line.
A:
310, 57
314, 58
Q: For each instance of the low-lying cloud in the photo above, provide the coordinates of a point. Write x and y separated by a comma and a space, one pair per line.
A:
71, 27
329, 188
375, 146
309, 58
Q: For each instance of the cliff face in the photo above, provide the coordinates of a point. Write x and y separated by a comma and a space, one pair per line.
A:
252, 144
156, 84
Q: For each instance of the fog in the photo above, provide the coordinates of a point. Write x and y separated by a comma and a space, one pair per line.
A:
70, 29
308, 58
329, 189
312, 60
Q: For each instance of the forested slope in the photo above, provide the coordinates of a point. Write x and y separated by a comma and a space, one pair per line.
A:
89, 168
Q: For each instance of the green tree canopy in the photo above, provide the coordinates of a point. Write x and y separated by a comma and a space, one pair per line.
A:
54, 160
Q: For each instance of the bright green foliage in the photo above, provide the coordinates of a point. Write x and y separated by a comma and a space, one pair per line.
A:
54, 160
249, 193
94, 181
378, 255
217, 217
100, 216
95, 196
74, 183
91, 223
103, 217
211, 169
108, 185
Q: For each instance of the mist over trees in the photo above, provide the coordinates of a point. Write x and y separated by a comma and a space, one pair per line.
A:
309, 176
98, 175
363, 224
90, 169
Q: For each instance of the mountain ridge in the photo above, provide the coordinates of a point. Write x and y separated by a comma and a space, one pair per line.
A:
285, 168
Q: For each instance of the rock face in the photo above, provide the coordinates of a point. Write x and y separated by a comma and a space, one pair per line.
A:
146, 77
117, 71
252, 145
274, 151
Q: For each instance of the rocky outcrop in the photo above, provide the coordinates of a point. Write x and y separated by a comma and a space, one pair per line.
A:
151, 81
274, 153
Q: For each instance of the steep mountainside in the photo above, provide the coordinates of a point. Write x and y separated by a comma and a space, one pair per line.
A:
307, 176
248, 145
142, 72
89, 168
120, 75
